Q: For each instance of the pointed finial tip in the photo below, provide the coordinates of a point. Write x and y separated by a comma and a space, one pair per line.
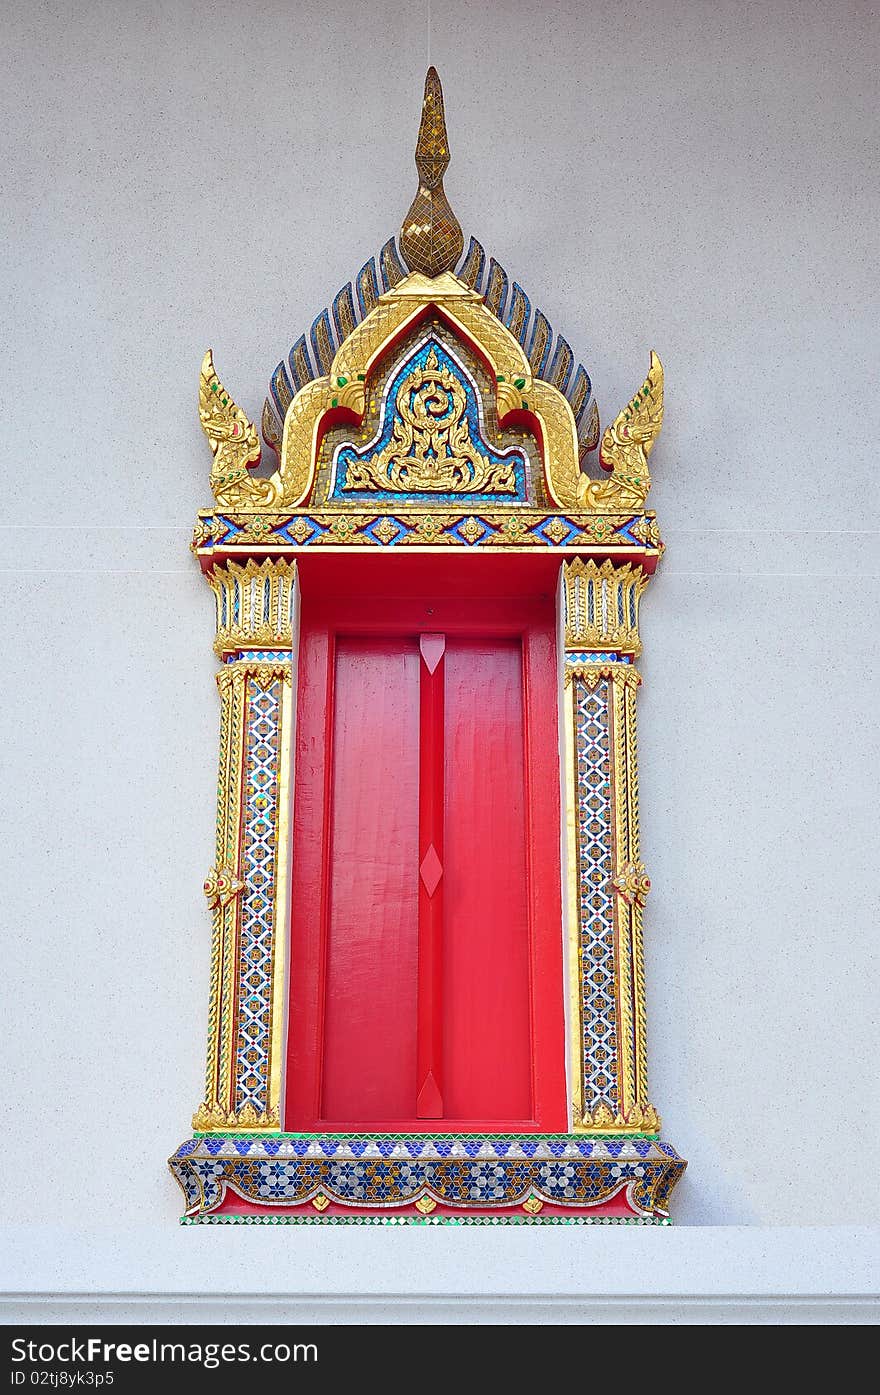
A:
433, 85
431, 239
432, 146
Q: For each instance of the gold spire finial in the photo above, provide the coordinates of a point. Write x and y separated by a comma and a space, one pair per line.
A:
431, 239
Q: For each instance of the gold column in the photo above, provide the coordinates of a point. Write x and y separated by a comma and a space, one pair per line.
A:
606, 881
247, 888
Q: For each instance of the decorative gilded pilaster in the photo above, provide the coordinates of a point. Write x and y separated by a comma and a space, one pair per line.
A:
247, 888
607, 883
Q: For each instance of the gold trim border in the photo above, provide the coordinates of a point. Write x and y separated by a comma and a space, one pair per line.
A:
635, 1113
218, 1111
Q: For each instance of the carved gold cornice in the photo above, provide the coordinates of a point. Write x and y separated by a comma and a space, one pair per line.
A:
255, 605
602, 606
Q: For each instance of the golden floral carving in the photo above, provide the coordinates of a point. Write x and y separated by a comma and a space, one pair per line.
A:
514, 528
256, 527
632, 883
429, 528
599, 529
465, 312
647, 531
205, 531
472, 529
426, 1204
533, 1204
558, 530
386, 530
221, 886
320, 1202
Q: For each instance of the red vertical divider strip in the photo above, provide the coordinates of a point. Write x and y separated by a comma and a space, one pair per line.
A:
430, 989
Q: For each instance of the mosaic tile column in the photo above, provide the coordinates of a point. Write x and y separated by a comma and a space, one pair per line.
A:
248, 887
606, 881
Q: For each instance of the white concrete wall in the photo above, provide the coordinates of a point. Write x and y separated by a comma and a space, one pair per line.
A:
700, 178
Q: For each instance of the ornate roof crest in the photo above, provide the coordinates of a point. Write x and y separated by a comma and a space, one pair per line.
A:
323, 405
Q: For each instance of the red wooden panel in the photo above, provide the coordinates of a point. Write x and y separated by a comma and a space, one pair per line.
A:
499, 1092
486, 1027
540, 661
308, 884
369, 1060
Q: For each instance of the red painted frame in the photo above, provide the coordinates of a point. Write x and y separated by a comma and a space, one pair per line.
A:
470, 608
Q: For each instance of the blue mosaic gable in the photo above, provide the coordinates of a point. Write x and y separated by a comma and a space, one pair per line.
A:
348, 456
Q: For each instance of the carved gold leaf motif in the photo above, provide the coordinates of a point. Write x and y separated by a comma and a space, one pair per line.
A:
213, 1117
431, 448
639, 1119
633, 883
221, 886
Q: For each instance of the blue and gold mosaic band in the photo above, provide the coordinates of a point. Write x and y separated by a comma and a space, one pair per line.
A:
503, 1175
